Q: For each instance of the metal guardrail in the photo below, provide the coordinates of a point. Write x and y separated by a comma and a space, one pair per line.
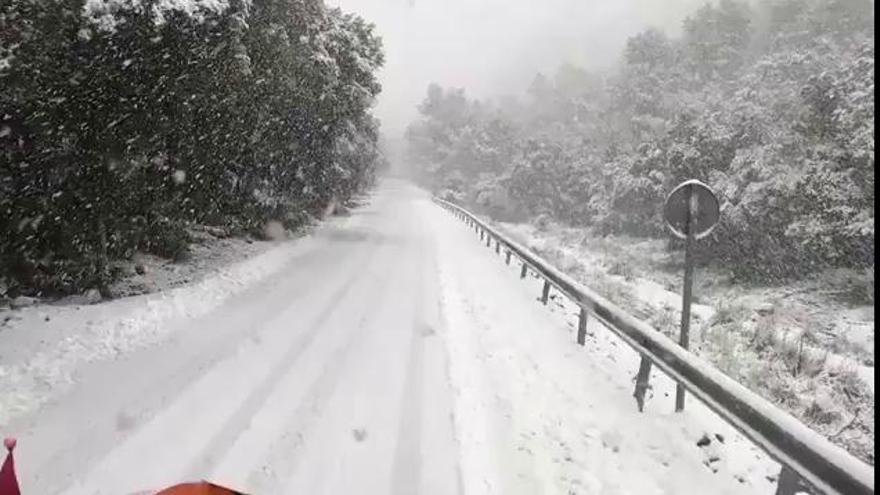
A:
823, 465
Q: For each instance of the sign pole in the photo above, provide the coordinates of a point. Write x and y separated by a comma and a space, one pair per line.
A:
684, 336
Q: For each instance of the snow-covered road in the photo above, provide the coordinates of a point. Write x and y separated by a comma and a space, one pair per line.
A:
389, 353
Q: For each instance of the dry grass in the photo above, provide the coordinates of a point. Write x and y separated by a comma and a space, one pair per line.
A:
842, 345
772, 356
622, 267
615, 291
667, 321
729, 311
599, 281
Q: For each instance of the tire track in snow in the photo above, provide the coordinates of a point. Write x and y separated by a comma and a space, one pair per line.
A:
258, 396
184, 359
234, 375
304, 435
298, 404
407, 464
213, 398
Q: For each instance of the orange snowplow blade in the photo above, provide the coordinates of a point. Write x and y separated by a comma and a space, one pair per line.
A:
201, 488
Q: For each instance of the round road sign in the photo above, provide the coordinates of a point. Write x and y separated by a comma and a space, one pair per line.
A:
696, 198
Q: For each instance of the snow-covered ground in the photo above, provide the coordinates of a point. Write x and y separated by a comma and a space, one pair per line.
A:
536, 413
726, 320
386, 352
43, 345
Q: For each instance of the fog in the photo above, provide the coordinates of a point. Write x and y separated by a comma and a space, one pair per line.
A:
493, 47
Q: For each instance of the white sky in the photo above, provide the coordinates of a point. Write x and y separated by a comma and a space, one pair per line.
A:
492, 47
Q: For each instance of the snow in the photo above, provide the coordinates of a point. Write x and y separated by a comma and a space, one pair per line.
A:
563, 417
656, 295
41, 347
387, 352
854, 326
103, 12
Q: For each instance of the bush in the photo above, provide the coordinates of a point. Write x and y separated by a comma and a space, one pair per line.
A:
543, 222
121, 125
729, 311
168, 239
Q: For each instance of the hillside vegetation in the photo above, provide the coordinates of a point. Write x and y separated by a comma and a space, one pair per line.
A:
772, 106
126, 122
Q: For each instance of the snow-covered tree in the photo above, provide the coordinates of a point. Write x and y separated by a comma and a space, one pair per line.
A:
773, 107
124, 122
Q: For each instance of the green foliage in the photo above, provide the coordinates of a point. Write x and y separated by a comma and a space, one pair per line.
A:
772, 107
167, 239
124, 123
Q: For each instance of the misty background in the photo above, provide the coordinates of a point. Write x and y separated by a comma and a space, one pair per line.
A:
495, 47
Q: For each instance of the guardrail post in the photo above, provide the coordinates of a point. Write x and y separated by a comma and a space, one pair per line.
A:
507, 260
642, 384
582, 327
488, 240
545, 294
524, 271
684, 336
789, 483
482, 234
497, 247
